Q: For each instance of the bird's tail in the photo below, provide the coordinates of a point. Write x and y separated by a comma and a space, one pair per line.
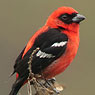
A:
22, 69
16, 86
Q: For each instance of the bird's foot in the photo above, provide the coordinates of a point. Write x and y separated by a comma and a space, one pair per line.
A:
53, 85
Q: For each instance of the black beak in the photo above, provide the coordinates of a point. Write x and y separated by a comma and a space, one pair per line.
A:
78, 18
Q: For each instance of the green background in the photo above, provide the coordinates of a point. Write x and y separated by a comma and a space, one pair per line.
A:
20, 19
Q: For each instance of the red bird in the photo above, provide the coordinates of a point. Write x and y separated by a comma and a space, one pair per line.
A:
56, 43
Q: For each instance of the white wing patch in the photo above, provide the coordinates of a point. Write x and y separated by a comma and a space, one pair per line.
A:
60, 44
44, 55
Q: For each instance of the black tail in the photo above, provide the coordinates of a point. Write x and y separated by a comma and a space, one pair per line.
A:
16, 86
19, 82
22, 69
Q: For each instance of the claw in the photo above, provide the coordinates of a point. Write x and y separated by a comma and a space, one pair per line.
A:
52, 80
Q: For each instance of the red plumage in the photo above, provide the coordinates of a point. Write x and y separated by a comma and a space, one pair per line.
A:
66, 20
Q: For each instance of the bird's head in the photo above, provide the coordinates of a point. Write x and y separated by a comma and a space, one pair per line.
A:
65, 18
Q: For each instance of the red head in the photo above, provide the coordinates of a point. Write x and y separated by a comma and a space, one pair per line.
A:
65, 18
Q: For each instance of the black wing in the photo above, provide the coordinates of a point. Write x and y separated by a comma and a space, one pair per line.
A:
52, 44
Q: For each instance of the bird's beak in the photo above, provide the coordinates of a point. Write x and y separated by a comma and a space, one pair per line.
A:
78, 18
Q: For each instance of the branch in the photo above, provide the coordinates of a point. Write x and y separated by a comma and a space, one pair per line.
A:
44, 87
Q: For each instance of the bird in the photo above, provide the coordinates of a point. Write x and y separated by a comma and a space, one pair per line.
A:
53, 47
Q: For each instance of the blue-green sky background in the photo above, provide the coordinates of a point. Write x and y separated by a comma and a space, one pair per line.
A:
20, 19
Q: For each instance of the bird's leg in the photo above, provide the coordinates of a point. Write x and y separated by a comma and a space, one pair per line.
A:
48, 83
53, 85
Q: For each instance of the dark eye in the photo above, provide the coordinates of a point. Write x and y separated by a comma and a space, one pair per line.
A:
64, 17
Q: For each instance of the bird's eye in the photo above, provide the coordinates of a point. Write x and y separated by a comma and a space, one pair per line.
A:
64, 17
